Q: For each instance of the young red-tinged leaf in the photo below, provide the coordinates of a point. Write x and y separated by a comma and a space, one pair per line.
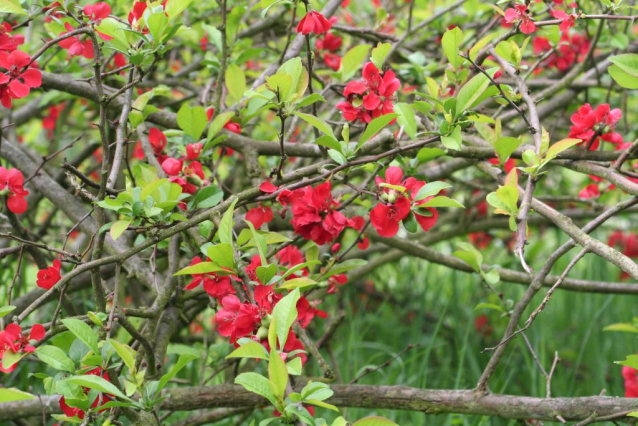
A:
512, 179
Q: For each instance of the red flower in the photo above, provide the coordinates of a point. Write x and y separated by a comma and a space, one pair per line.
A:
236, 319
193, 150
631, 382
590, 191
50, 276
17, 83
216, 285
570, 50
12, 184
333, 281
329, 42
266, 299
590, 124
567, 21
75, 45
100, 398
427, 216
480, 239
314, 217
172, 166
292, 344
385, 217
373, 96
520, 14
306, 312
259, 215
268, 187
98, 11
482, 326
157, 139
11, 339
9, 42
332, 60
313, 22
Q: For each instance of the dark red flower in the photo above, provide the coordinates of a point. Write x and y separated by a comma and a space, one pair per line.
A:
570, 50
335, 281
590, 191
259, 215
371, 97
589, 124
332, 60
329, 42
12, 185
426, 217
313, 22
230, 126
314, 214
157, 139
216, 285
172, 166
98, 11
193, 150
307, 311
385, 216
631, 382
11, 339
50, 276
236, 319
480, 239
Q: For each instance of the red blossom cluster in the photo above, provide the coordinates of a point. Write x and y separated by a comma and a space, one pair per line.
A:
12, 339
590, 125
371, 97
397, 197
12, 186
82, 45
571, 50
520, 14
9, 42
330, 43
315, 214
626, 242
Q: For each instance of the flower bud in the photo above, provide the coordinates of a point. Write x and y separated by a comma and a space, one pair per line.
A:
392, 197
262, 333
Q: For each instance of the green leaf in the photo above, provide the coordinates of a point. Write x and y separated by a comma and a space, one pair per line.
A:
174, 8
346, 266
157, 23
285, 313
294, 366
181, 363
352, 60
200, 268
509, 196
218, 123
451, 42
8, 6
630, 361
280, 83
83, 332
277, 373
622, 327
222, 254
258, 384
410, 223
374, 127
337, 156
226, 224
9, 358
453, 141
309, 100
12, 394
55, 357
235, 80
426, 154
491, 306
470, 92
505, 146
316, 122
623, 78
442, 201
118, 228
628, 62
379, 54
6, 310
249, 350
260, 242
126, 353
406, 118
374, 421
430, 189
329, 142
98, 383
317, 391
301, 282
560, 146
192, 120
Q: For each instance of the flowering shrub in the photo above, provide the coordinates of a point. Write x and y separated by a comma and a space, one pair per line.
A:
196, 195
